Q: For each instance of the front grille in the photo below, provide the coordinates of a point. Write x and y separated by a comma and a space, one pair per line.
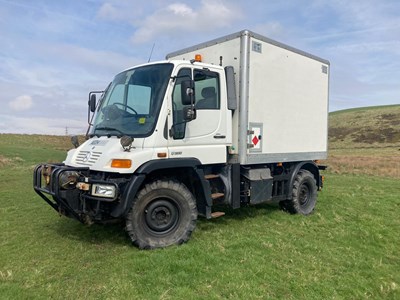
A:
87, 158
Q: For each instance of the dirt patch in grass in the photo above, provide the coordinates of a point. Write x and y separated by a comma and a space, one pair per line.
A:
4, 161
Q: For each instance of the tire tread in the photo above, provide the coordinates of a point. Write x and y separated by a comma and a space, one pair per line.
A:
151, 242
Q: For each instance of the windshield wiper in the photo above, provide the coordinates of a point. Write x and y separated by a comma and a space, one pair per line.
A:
109, 128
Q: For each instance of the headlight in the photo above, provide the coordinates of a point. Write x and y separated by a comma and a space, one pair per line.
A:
102, 190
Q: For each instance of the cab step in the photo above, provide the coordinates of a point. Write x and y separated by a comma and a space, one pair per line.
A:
211, 176
217, 214
217, 195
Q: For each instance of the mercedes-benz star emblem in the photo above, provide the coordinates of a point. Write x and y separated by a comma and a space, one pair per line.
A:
87, 156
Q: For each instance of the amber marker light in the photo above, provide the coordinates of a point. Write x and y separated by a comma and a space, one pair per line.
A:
198, 58
121, 163
162, 154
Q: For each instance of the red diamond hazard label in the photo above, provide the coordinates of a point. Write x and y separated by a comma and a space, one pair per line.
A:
255, 140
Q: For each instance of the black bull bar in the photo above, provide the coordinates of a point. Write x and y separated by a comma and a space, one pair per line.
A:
48, 185
46, 181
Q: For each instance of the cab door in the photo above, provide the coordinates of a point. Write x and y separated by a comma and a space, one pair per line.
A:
205, 137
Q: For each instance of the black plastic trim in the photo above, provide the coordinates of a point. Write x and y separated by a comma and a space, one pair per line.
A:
127, 197
235, 177
170, 163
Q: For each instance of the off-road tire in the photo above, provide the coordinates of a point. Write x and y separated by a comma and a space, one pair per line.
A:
304, 194
163, 213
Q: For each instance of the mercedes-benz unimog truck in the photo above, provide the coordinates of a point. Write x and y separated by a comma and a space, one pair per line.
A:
236, 121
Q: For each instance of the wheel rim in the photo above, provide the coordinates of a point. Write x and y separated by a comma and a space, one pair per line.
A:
161, 216
304, 195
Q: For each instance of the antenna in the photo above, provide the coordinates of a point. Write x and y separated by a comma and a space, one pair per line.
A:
151, 52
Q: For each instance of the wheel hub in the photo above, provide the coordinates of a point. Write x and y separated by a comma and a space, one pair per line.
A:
304, 194
161, 216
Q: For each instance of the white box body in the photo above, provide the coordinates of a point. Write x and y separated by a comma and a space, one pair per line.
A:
282, 95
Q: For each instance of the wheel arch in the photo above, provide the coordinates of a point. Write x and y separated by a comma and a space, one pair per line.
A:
305, 165
186, 170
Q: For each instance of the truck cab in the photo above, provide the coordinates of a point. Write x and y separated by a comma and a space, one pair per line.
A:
146, 103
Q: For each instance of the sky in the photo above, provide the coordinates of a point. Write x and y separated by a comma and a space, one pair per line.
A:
53, 53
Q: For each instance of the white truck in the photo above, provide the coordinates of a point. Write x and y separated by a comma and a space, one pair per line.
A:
237, 121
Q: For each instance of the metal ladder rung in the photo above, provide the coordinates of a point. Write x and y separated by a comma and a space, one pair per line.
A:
217, 195
211, 176
217, 214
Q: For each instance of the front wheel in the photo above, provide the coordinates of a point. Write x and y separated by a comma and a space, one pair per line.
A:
163, 213
304, 194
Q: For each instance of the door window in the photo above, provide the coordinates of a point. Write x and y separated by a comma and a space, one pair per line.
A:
206, 85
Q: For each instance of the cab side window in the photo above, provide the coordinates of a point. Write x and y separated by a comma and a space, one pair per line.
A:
206, 85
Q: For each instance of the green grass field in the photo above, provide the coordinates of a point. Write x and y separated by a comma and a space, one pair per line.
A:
347, 249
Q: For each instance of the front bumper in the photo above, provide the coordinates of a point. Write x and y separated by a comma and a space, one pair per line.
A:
68, 191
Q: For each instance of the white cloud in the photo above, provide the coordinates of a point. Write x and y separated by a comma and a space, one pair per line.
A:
21, 103
109, 11
181, 9
177, 18
120, 10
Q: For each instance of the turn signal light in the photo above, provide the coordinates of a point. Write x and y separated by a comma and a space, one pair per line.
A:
121, 163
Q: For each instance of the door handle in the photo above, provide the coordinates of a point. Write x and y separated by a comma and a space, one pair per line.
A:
219, 136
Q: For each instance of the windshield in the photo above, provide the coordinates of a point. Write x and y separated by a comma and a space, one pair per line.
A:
132, 102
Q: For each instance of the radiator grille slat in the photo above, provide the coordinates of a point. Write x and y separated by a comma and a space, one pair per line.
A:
87, 158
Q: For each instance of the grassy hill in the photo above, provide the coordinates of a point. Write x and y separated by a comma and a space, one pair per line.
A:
366, 127
365, 141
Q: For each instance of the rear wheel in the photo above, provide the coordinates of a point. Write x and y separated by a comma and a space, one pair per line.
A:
304, 194
163, 213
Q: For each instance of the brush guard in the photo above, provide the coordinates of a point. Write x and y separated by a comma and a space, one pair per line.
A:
46, 183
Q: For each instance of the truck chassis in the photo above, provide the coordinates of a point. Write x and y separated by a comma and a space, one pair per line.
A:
160, 209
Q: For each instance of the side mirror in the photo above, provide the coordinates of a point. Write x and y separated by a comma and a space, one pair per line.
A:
92, 102
75, 141
187, 92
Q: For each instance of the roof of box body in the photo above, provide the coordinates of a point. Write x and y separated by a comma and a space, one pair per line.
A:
243, 33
